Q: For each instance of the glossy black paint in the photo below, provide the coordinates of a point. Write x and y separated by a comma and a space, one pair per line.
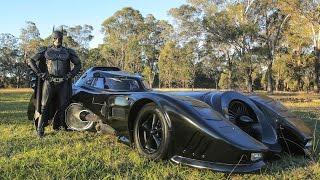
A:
201, 133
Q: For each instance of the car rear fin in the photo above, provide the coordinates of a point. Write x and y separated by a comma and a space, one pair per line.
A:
101, 68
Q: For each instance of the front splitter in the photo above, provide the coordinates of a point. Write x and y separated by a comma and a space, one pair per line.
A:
222, 167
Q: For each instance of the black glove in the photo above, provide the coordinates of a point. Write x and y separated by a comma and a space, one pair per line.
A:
67, 77
43, 76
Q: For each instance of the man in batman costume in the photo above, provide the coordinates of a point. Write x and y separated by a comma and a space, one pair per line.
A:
54, 74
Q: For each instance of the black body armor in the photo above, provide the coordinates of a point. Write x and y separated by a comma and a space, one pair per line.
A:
52, 65
55, 62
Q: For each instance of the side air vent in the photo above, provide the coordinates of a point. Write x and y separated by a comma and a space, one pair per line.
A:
244, 117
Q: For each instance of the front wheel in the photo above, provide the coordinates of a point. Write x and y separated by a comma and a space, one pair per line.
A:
151, 133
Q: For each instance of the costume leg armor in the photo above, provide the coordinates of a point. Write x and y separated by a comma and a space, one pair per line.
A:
65, 101
45, 101
62, 95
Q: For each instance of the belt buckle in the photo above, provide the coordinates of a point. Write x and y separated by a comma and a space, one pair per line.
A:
56, 80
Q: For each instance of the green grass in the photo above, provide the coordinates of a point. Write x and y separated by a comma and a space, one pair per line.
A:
83, 155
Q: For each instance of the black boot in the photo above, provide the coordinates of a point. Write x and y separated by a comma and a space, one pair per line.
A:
56, 124
40, 129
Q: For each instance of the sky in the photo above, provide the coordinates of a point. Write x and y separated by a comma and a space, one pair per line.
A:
46, 14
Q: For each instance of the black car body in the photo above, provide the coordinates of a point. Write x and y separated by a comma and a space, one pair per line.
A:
220, 130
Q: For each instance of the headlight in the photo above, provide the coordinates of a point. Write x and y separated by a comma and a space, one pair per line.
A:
256, 156
309, 143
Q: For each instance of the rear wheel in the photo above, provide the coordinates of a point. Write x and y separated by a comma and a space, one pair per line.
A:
151, 133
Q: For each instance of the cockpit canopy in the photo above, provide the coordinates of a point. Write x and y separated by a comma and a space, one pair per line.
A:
114, 80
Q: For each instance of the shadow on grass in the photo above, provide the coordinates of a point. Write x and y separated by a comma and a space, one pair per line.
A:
13, 106
18, 143
312, 120
289, 162
19, 118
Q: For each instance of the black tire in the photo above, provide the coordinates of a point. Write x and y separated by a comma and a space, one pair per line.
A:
151, 133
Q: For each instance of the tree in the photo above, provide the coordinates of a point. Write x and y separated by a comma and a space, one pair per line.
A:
30, 39
7, 45
122, 33
155, 34
306, 27
11, 62
272, 23
95, 58
234, 27
167, 63
82, 35
189, 33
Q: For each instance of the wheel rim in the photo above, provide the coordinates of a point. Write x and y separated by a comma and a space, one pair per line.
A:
150, 132
73, 118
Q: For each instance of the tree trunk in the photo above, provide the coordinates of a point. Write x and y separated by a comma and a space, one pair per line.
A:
285, 87
269, 78
299, 84
278, 80
309, 84
277, 84
249, 80
216, 84
18, 81
316, 71
122, 66
230, 74
230, 80
216, 81
249, 84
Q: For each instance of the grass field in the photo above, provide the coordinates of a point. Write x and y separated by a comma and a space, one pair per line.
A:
86, 155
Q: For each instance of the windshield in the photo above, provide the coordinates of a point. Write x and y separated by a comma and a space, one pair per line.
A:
121, 84
116, 83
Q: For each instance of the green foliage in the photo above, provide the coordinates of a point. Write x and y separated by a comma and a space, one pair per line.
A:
167, 66
133, 42
174, 66
122, 37
148, 75
30, 39
13, 70
224, 81
82, 35
246, 45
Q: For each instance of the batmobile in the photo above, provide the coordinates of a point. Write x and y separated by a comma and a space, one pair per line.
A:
220, 130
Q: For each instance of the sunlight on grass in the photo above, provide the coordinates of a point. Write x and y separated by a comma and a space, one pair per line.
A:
83, 155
